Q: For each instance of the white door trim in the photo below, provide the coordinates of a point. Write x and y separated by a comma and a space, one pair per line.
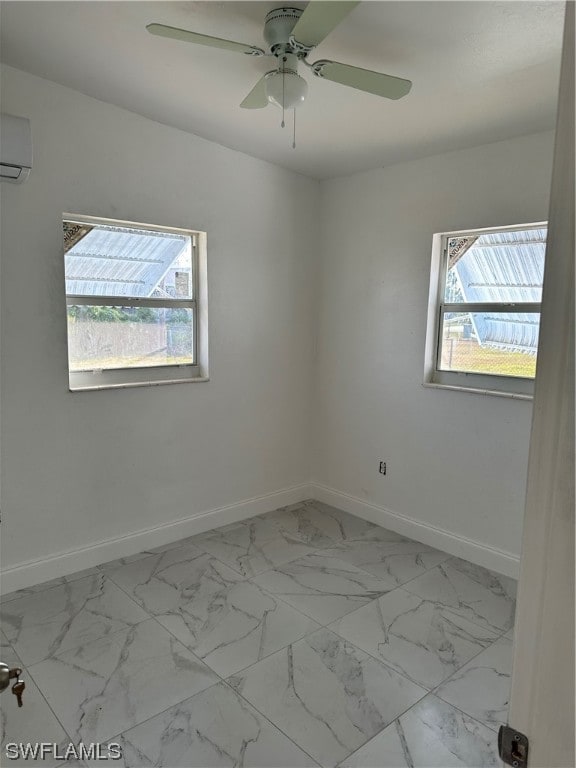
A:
542, 695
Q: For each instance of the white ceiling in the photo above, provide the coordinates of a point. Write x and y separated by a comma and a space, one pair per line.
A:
481, 71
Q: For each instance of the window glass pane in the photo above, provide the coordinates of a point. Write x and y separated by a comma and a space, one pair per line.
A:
496, 267
129, 337
498, 343
105, 260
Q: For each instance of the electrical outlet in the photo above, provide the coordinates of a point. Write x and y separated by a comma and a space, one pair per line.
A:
382, 468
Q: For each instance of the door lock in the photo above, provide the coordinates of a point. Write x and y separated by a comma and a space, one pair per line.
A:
12, 673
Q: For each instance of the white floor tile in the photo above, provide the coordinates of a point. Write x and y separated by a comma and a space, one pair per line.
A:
420, 639
33, 722
322, 587
430, 735
48, 585
312, 522
247, 599
214, 729
226, 621
482, 687
242, 548
397, 561
112, 565
48, 622
116, 682
484, 597
326, 695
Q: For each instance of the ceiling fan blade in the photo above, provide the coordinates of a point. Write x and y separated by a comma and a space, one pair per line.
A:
363, 79
257, 98
194, 37
319, 19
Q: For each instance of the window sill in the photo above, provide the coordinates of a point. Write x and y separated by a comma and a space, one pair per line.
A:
131, 385
478, 391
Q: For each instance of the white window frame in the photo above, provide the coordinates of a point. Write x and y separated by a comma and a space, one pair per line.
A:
120, 378
478, 383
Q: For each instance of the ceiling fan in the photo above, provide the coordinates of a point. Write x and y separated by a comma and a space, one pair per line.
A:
291, 34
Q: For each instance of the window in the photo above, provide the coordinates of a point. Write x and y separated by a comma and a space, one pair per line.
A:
484, 309
136, 303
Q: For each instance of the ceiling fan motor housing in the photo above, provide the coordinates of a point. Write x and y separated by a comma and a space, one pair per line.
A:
278, 27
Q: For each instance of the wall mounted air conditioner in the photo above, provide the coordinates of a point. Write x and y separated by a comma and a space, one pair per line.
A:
15, 148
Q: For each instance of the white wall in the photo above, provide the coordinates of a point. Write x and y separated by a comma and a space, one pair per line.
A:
79, 468
456, 461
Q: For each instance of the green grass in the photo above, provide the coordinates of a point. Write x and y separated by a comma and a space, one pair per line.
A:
468, 356
111, 363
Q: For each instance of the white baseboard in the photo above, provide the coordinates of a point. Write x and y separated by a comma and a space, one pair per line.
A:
495, 559
64, 563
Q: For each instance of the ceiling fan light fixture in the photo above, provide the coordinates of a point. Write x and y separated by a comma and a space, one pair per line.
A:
286, 89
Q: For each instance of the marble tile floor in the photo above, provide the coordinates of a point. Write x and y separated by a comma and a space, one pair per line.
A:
302, 637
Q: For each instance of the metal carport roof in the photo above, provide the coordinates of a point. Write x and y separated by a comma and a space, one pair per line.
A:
504, 266
120, 262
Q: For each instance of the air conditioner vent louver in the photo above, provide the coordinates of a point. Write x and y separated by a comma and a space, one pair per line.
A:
15, 148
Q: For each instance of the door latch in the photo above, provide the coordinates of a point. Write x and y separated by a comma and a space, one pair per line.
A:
512, 747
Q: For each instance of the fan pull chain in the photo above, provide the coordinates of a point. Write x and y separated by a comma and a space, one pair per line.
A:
282, 124
294, 133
